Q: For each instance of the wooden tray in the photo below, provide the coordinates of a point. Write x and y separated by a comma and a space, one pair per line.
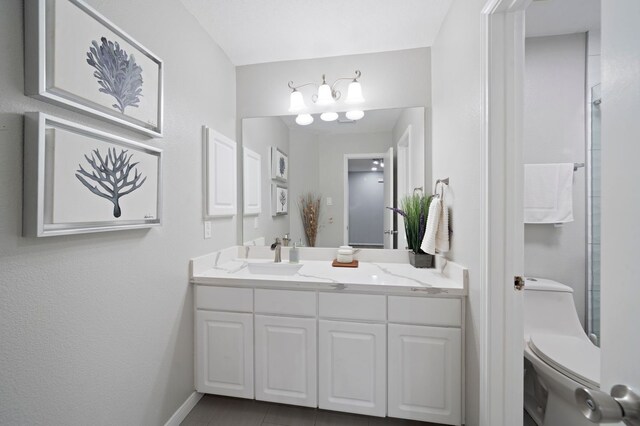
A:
337, 264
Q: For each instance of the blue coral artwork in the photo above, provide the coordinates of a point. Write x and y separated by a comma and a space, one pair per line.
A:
116, 73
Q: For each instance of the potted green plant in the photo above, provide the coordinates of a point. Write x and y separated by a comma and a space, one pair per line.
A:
415, 209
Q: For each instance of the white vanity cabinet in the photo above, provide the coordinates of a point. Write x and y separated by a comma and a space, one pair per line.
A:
384, 339
285, 351
224, 342
425, 362
352, 358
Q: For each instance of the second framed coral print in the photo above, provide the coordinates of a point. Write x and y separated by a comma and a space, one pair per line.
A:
76, 57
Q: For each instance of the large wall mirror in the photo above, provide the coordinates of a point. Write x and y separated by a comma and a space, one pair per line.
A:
356, 169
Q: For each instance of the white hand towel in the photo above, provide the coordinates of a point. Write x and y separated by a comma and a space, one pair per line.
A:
548, 193
433, 220
442, 236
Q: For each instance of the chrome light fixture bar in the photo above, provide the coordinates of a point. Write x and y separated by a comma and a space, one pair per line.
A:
326, 95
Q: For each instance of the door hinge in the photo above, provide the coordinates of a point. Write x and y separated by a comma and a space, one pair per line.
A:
518, 282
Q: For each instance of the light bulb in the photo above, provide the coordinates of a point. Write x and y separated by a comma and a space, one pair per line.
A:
376, 162
329, 116
382, 165
354, 93
304, 119
296, 101
354, 115
324, 95
373, 169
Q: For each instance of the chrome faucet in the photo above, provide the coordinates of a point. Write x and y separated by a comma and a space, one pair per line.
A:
277, 246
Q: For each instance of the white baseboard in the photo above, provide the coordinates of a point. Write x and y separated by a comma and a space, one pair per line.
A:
182, 412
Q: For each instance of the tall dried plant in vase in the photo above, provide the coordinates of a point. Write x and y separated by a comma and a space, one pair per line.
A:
309, 206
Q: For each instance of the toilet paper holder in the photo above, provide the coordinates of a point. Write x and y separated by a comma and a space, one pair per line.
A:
623, 405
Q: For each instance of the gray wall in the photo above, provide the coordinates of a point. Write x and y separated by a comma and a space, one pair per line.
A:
98, 328
389, 80
366, 208
305, 167
259, 135
331, 152
420, 143
554, 132
457, 70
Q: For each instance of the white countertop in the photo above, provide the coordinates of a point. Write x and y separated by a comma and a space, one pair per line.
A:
223, 268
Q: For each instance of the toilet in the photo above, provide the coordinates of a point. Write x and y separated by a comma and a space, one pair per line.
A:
558, 355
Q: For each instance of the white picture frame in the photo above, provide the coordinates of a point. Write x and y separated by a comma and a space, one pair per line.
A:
79, 180
252, 182
279, 200
63, 66
279, 165
220, 175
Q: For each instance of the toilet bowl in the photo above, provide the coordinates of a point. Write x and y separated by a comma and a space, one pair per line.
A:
559, 357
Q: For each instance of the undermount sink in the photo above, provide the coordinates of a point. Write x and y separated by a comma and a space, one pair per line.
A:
271, 268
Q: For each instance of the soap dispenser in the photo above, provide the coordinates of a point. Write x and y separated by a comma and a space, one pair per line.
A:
294, 254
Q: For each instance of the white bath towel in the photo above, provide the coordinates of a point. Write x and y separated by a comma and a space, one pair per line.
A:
436, 236
548, 193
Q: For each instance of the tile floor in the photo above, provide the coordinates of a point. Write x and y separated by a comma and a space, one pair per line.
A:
223, 411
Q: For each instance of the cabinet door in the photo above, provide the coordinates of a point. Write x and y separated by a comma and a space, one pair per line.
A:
352, 367
425, 381
286, 360
224, 353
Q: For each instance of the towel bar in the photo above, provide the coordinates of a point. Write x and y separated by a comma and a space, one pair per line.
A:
435, 187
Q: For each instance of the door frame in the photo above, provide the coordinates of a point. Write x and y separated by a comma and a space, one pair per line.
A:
502, 234
345, 185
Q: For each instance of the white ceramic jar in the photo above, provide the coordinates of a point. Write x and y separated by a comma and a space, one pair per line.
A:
345, 254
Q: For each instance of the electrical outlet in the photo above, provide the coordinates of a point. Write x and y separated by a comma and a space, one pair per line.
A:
207, 229
329, 201
255, 223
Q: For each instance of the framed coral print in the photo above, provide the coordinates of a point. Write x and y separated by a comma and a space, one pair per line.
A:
279, 200
279, 165
77, 58
80, 180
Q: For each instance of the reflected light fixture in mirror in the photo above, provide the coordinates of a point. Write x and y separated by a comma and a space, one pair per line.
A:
329, 116
354, 115
304, 119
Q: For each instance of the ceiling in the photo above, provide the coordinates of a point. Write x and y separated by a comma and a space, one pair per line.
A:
374, 121
554, 17
257, 31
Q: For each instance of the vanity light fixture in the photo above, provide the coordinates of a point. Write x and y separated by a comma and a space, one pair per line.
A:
327, 95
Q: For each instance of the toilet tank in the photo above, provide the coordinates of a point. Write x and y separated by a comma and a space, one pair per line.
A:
549, 308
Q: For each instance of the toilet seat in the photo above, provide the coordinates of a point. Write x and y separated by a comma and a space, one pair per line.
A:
576, 358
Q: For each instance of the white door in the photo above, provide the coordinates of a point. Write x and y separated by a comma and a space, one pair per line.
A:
389, 231
620, 242
425, 379
224, 353
285, 356
352, 367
